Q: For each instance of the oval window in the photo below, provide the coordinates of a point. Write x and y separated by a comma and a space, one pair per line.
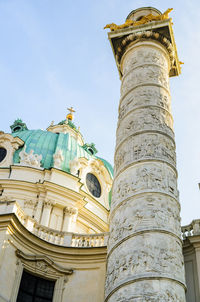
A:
93, 185
3, 153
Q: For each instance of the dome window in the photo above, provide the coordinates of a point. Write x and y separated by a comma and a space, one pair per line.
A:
90, 148
18, 125
3, 153
93, 185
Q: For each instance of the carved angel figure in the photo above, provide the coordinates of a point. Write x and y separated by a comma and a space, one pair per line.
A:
74, 166
30, 159
58, 159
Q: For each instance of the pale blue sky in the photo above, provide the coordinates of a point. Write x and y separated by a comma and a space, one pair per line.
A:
55, 54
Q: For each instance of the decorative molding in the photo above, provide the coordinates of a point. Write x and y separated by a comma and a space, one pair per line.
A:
42, 265
149, 34
48, 203
11, 144
70, 211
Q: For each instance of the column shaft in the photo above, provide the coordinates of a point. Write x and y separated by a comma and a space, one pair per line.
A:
145, 261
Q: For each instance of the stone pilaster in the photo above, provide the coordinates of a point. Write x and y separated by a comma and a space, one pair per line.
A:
46, 212
145, 261
68, 216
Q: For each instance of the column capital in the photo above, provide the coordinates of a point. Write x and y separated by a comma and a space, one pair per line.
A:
48, 203
160, 31
70, 211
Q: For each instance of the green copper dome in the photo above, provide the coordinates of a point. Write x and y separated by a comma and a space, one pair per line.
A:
47, 143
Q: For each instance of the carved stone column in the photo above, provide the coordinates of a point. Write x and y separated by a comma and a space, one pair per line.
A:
47, 207
145, 261
68, 216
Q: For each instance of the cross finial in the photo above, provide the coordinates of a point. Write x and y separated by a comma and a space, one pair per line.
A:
70, 114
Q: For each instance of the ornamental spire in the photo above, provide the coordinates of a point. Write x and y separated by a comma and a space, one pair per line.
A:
70, 115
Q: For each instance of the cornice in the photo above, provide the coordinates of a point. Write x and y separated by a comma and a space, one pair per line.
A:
158, 31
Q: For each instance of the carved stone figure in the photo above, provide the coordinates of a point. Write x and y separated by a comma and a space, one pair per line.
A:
145, 75
143, 147
158, 254
157, 212
141, 97
30, 159
58, 159
74, 166
142, 119
141, 56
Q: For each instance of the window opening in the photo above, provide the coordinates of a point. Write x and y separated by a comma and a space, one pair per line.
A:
35, 289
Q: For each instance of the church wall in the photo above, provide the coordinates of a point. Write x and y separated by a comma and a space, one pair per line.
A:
19, 249
191, 260
7, 270
86, 285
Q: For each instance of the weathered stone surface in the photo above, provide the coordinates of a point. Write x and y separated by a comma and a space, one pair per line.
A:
145, 119
143, 147
144, 212
144, 256
144, 177
144, 96
149, 291
144, 56
145, 261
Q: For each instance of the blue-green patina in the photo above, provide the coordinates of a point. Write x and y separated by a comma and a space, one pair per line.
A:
47, 144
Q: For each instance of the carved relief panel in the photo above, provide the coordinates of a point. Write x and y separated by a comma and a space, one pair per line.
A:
141, 56
145, 119
145, 75
149, 291
144, 212
145, 146
146, 255
144, 96
148, 177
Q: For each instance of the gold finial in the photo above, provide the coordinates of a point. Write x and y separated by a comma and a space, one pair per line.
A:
181, 62
143, 20
70, 114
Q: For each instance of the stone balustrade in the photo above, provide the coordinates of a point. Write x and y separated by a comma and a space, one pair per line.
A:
191, 229
67, 239
92, 240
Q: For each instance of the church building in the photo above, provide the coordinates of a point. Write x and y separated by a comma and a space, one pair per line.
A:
74, 229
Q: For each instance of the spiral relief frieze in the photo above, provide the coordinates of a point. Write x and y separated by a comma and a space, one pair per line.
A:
146, 146
142, 97
142, 57
145, 119
146, 75
145, 261
141, 213
148, 177
148, 254
149, 291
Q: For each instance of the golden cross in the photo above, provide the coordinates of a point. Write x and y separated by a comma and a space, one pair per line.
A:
71, 110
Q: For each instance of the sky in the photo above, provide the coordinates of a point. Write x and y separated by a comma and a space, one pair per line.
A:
55, 54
